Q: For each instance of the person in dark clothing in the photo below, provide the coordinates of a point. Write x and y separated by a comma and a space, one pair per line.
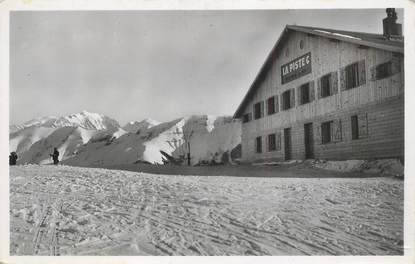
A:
55, 156
12, 158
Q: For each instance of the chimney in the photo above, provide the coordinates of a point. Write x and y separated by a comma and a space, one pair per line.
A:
391, 29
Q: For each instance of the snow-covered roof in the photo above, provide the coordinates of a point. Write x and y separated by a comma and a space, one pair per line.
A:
377, 41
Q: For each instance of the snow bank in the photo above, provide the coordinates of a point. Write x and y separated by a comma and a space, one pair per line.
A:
382, 166
343, 166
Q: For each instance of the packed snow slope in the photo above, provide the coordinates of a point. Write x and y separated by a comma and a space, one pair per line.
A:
62, 210
209, 137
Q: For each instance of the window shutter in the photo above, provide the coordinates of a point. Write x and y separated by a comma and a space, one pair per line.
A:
372, 73
336, 130
268, 106
311, 89
298, 95
278, 141
319, 88
343, 79
266, 143
262, 108
334, 83
317, 135
395, 65
362, 72
292, 98
277, 105
363, 125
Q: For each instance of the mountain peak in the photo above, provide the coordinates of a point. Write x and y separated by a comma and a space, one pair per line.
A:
84, 119
134, 126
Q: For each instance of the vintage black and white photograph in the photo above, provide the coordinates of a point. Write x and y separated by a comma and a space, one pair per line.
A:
274, 132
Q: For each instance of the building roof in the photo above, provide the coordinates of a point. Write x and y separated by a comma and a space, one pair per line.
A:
377, 41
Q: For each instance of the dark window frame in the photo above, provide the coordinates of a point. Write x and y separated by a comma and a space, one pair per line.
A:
326, 128
305, 93
325, 85
352, 75
383, 70
257, 110
271, 105
286, 100
246, 118
258, 144
355, 127
272, 142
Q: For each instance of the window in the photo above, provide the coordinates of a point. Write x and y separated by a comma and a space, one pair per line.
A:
247, 117
259, 110
258, 145
272, 146
355, 127
360, 126
386, 69
325, 85
305, 93
326, 132
271, 105
383, 70
287, 99
301, 44
352, 76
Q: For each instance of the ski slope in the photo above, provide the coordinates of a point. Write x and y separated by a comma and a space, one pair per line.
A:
62, 210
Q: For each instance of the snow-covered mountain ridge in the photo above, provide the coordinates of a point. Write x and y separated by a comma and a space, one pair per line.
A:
84, 119
135, 126
90, 139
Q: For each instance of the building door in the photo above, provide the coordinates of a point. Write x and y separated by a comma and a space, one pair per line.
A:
308, 141
287, 143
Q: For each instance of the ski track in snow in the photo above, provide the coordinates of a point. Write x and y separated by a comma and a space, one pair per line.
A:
62, 210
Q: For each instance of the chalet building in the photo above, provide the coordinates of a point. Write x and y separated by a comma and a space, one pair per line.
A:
327, 94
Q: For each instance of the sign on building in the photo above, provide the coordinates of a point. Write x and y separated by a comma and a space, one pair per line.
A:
296, 68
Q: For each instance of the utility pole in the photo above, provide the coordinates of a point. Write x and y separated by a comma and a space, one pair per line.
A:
188, 153
187, 139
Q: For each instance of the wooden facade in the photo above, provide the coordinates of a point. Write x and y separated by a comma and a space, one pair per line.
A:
348, 105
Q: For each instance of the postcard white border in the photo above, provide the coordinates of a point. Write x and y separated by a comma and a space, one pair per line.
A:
409, 29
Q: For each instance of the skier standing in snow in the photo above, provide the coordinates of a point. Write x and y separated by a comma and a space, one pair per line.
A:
12, 158
55, 156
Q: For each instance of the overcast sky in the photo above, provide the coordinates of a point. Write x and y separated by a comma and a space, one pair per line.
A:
131, 65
